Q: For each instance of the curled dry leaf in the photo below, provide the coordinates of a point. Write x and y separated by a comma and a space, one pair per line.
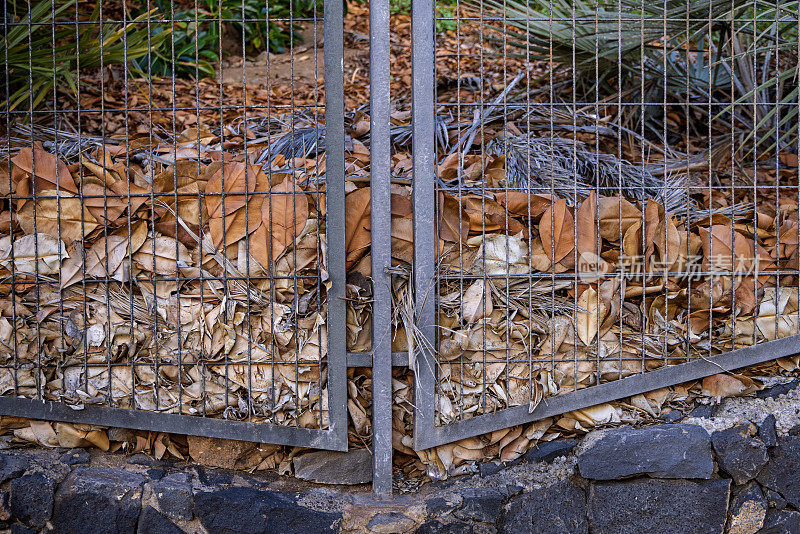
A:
357, 224
33, 254
284, 214
477, 302
45, 166
60, 215
587, 315
556, 229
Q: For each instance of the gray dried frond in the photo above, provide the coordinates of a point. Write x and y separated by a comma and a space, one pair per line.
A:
570, 169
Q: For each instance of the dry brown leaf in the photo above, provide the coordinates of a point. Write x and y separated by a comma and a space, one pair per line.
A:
357, 224
477, 302
616, 215
62, 215
284, 214
454, 224
531, 205
48, 250
50, 170
587, 315
557, 231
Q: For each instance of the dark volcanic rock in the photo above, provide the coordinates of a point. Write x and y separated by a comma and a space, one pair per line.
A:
783, 522
435, 526
331, 467
480, 504
557, 509
740, 453
19, 528
781, 473
766, 431
658, 506
108, 500
152, 522
442, 504
547, 451
76, 457
11, 466
242, 510
662, 451
174, 496
780, 389
748, 508
31, 498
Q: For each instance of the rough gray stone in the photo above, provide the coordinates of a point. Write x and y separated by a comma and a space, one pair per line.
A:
11, 466
662, 451
672, 416
152, 522
780, 473
766, 431
19, 528
434, 526
547, 451
240, 510
557, 509
480, 504
5, 508
174, 496
330, 467
781, 522
702, 411
747, 511
148, 461
107, 499
774, 499
776, 391
442, 504
740, 453
76, 457
390, 523
31, 498
658, 506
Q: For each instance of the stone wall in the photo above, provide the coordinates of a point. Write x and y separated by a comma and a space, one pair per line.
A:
666, 478
726, 469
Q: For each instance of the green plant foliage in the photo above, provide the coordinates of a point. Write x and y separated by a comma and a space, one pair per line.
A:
445, 13
44, 55
198, 32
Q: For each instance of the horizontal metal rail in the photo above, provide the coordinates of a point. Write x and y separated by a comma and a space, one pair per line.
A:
608, 391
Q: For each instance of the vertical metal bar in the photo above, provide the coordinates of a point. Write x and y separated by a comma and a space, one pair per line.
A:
381, 234
424, 172
334, 219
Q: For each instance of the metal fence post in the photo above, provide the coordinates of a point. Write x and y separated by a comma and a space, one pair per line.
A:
380, 224
424, 172
334, 176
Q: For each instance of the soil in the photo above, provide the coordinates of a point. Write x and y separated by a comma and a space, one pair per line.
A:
303, 64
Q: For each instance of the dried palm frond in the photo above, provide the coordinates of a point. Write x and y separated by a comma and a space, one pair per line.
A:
571, 170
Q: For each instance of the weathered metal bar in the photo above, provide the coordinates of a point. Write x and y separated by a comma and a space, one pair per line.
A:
364, 359
179, 424
423, 86
608, 391
335, 217
381, 249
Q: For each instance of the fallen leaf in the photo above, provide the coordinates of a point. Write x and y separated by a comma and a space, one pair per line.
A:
557, 232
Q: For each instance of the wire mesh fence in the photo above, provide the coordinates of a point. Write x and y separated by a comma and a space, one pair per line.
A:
165, 254
617, 194
206, 217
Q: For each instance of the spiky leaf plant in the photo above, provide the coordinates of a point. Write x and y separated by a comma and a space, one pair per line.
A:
715, 56
42, 49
